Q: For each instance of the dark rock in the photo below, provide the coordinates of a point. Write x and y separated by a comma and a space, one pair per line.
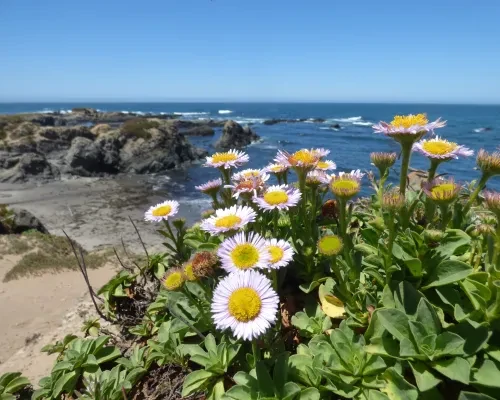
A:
335, 126
84, 157
47, 120
109, 146
317, 120
25, 166
201, 130
25, 221
165, 149
235, 136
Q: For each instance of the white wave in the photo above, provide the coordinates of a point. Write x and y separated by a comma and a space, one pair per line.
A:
365, 123
187, 113
225, 111
329, 128
348, 120
125, 112
249, 120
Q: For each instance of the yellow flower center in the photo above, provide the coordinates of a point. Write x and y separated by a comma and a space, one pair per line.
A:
174, 280
251, 174
277, 168
244, 256
443, 191
303, 156
345, 188
439, 147
188, 271
276, 253
276, 197
407, 121
323, 165
244, 304
229, 221
162, 211
223, 157
330, 245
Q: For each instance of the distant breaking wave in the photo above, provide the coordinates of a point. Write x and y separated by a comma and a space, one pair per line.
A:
349, 119
225, 111
187, 113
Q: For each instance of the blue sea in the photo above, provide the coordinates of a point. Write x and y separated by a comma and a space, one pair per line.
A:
475, 126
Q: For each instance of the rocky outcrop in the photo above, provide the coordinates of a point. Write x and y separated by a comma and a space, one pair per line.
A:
275, 121
164, 148
236, 136
20, 168
140, 145
201, 130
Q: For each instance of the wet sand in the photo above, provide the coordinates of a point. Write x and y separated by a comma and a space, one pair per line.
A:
95, 211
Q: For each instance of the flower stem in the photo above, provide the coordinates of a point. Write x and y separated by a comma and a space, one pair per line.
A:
405, 163
255, 351
193, 300
445, 216
390, 244
475, 193
430, 207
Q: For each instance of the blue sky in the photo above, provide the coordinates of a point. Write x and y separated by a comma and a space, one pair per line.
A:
235, 50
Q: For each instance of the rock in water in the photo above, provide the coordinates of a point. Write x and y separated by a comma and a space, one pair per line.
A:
25, 221
235, 136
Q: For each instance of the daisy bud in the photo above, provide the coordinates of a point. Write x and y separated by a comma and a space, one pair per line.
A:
204, 263
383, 161
442, 191
488, 163
330, 245
174, 279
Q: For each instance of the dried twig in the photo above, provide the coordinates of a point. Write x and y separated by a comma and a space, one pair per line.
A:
128, 255
83, 270
140, 238
121, 263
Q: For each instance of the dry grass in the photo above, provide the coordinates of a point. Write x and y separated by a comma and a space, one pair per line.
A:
43, 253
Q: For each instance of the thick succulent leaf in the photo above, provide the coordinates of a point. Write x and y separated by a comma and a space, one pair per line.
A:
457, 369
448, 271
397, 387
196, 381
424, 377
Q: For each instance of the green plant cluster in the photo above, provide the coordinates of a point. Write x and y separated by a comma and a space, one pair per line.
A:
393, 297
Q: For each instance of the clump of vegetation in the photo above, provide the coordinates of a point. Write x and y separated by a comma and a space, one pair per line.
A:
138, 128
284, 293
47, 253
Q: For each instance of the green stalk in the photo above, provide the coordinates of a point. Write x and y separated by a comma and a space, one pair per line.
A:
405, 163
314, 201
445, 216
430, 207
496, 252
384, 174
255, 351
203, 314
475, 193
390, 244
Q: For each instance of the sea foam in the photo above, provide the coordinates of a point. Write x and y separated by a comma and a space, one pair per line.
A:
225, 111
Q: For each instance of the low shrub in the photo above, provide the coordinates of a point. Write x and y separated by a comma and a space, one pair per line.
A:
138, 128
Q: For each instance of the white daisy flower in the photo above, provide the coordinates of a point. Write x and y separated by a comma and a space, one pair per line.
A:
304, 159
212, 186
245, 302
405, 127
355, 172
441, 149
228, 219
162, 211
250, 185
326, 165
247, 174
242, 252
317, 177
281, 253
228, 159
276, 168
321, 152
278, 197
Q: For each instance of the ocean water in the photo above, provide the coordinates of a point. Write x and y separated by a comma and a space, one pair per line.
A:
350, 145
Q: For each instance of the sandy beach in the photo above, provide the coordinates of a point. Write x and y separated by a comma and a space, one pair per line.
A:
95, 212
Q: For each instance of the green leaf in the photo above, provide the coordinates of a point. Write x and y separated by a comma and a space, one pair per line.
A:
245, 379
196, 381
290, 390
474, 396
16, 384
6, 396
266, 385
210, 343
280, 373
216, 391
107, 354
447, 272
454, 242
424, 378
7, 377
449, 344
397, 388
240, 392
428, 317
488, 374
394, 321
65, 383
457, 369
476, 335
415, 266
309, 394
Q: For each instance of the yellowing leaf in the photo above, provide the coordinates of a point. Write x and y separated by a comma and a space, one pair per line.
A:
330, 304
